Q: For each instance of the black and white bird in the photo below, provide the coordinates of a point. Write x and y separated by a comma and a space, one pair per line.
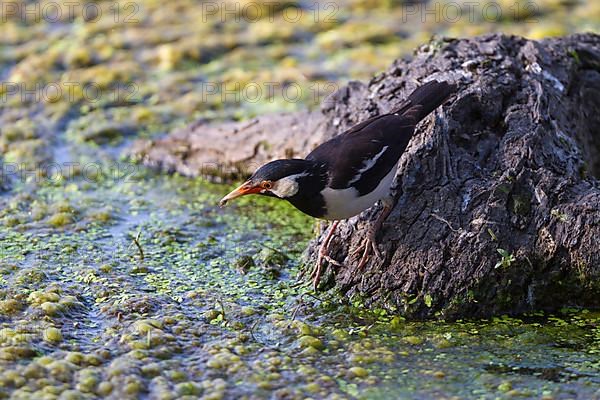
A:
349, 173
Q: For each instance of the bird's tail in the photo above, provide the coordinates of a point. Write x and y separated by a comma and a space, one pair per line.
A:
425, 99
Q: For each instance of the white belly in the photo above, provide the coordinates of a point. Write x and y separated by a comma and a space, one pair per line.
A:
346, 203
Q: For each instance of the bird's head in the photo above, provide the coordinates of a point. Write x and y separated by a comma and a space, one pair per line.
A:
279, 178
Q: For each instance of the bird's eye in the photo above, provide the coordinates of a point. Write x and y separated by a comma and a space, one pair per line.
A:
267, 185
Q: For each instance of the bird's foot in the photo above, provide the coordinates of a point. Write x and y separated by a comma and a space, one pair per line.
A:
368, 245
316, 275
324, 255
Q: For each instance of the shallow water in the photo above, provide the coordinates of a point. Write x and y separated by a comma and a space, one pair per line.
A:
213, 309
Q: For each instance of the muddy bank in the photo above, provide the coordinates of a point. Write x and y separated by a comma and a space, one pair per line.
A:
498, 203
234, 149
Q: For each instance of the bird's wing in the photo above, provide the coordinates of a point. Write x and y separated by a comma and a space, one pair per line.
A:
363, 155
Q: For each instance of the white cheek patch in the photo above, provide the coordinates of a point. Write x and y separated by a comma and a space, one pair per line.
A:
286, 187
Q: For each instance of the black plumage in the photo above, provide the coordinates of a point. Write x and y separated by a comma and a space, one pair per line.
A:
350, 172
346, 153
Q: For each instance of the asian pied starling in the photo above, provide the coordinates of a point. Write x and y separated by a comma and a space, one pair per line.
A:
349, 173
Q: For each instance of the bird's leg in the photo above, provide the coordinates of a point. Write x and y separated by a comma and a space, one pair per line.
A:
370, 242
323, 255
324, 250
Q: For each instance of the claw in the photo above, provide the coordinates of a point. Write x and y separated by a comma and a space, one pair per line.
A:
316, 275
332, 261
369, 244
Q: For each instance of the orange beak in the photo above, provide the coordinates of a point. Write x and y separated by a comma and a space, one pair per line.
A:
244, 189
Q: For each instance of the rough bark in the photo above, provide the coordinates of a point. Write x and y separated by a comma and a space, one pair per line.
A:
511, 163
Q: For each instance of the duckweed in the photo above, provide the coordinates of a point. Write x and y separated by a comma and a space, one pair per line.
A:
358, 372
187, 389
53, 335
104, 388
132, 388
101, 216
307, 341
75, 357
60, 219
414, 340
49, 308
87, 384
10, 307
